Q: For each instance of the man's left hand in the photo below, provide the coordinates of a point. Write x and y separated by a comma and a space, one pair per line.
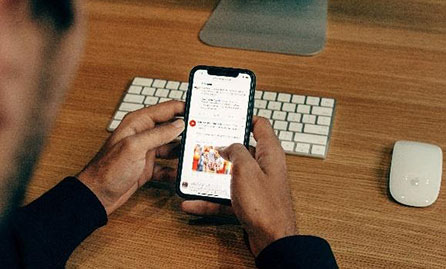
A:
127, 160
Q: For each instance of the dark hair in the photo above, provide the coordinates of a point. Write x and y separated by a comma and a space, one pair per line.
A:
58, 13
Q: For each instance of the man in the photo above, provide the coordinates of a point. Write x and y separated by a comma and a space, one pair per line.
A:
40, 41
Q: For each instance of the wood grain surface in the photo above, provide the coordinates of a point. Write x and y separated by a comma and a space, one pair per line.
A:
384, 62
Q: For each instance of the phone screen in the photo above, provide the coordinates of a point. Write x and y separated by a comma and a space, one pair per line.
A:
217, 117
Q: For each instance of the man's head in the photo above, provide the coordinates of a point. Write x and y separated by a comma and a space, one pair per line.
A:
40, 43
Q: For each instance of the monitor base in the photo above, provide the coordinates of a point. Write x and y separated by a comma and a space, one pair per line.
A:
287, 26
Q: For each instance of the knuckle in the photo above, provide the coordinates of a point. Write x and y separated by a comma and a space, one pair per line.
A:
240, 170
129, 117
129, 144
236, 148
237, 170
165, 133
235, 151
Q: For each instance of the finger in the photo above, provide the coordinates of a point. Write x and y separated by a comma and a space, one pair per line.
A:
147, 118
269, 153
244, 166
263, 131
158, 136
164, 174
236, 153
169, 151
205, 208
156, 114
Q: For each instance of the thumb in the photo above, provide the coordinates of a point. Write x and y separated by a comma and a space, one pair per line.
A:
159, 135
243, 164
235, 152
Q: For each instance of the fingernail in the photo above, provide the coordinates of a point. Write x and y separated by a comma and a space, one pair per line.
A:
178, 124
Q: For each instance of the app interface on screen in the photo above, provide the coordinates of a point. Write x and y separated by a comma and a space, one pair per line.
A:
217, 118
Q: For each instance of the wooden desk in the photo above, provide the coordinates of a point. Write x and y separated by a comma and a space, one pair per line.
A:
384, 62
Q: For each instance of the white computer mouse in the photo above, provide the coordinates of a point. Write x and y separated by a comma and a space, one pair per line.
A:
415, 173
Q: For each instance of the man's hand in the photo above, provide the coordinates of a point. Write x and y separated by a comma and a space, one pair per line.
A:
260, 194
127, 160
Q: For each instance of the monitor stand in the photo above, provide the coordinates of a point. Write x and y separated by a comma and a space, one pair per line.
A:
284, 26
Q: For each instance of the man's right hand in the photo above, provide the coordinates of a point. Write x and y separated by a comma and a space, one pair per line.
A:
260, 193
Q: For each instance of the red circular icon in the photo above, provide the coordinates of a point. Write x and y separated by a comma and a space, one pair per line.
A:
192, 123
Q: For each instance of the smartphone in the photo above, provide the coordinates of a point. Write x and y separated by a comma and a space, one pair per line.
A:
219, 107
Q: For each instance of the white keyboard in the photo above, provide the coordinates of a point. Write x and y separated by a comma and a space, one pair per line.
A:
302, 123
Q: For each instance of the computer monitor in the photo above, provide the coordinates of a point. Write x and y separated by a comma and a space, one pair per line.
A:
283, 26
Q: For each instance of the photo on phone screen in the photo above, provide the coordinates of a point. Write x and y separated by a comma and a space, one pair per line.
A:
219, 107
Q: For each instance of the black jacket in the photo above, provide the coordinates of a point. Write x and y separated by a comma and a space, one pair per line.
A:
44, 233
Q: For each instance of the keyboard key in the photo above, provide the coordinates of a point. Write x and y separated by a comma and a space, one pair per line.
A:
310, 138
298, 99
321, 120
294, 117
280, 125
309, 119
265, 113
279, 115
258, 94
295, 127
120, 115
302, 148
322, 111
314, 101
274, 105
287, 145
133, 98
327, 102
318, 150
176, 94
114, 124
162, 92
284, 97
303, 109
284, 135
173, 85
260, 103
130, 107
162, 100
151, 100
184, 86
148, 91
289, 107
269, 96
316, 129
143, 82
252, 141
135, 89
159, 83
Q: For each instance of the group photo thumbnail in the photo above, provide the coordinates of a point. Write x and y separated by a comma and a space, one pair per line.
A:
207, 159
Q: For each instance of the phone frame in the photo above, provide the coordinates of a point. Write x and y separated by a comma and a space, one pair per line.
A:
219, 71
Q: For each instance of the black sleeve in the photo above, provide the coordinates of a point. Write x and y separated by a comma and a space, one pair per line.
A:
297, 252
44, 233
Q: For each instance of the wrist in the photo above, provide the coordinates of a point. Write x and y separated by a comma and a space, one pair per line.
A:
98, 191
261, 239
